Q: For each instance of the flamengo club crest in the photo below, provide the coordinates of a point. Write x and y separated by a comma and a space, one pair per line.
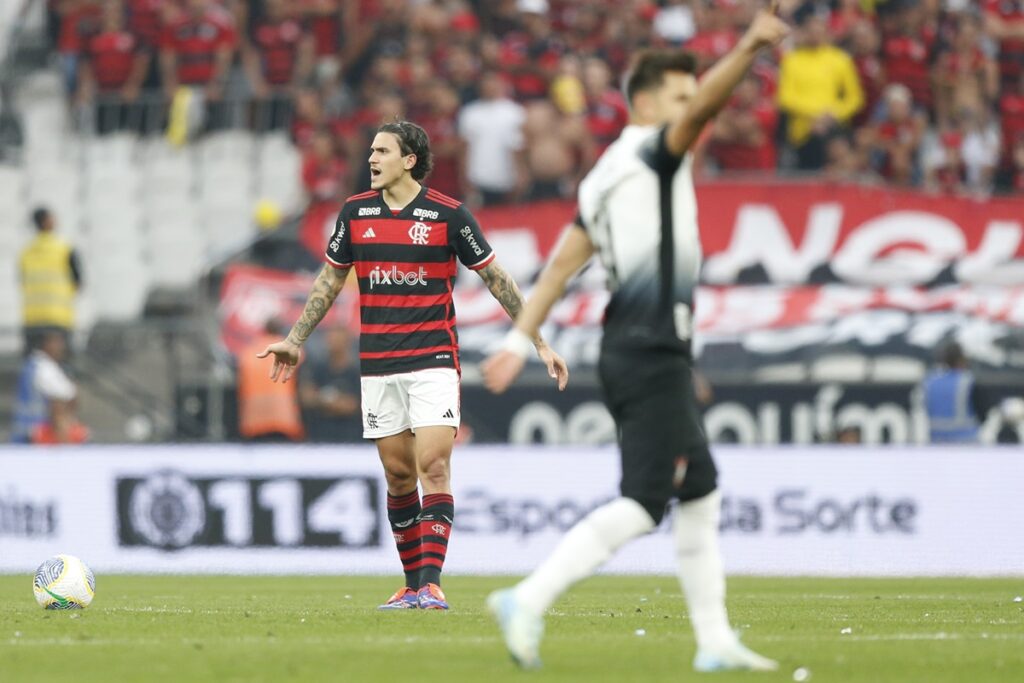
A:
419, 232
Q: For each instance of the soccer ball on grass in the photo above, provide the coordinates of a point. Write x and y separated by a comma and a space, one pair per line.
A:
64, 582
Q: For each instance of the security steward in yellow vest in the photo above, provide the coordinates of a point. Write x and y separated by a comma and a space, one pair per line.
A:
50, 278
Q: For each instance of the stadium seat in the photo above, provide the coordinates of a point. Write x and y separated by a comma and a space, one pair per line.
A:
166, 168
110, 224
279, 173
227, 230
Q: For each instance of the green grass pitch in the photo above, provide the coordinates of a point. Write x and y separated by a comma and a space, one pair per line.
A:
197, 629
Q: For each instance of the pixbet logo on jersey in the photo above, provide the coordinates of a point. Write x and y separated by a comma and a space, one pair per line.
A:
419, 232
394, 276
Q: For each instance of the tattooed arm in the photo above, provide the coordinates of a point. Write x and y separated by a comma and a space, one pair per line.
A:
506, 291
326, 288
572, 252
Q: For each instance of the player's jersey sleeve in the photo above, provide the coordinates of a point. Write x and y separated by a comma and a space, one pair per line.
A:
339, 248
468, 241
661, 159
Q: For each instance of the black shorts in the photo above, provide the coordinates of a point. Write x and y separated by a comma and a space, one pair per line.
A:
661, 433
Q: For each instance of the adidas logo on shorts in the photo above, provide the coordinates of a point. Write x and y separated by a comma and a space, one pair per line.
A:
449, 414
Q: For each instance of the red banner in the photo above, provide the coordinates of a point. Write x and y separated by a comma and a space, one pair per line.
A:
251, 296
791, 233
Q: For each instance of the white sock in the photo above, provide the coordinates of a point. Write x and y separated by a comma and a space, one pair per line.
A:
582, 550
699, 566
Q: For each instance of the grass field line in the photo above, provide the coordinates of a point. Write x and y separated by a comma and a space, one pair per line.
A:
380, 640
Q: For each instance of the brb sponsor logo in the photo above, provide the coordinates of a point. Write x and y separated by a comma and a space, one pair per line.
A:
425, 214
799, 511
394, 276
170, 510
419, 232
369, 211
467, 234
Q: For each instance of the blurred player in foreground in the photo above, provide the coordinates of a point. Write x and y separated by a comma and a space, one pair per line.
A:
637, 209
403, 239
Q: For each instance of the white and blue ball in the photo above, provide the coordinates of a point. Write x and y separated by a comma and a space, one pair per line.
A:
64, 582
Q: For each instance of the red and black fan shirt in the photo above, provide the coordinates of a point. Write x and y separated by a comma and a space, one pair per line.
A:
405, 262
195, 42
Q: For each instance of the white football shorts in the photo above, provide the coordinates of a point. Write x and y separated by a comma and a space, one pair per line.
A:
410, 400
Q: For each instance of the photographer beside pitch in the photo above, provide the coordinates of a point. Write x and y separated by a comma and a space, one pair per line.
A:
638, 210
402, 239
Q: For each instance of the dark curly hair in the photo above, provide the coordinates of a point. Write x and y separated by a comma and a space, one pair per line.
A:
412, 140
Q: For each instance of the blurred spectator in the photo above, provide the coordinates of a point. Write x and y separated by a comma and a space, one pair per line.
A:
278, 60
492, 127
819, 91
965, 77
1017, 165
907, 53
145, 18
80, 20
942, 160
1004, 20
460, 69
607, 113
309, 117
267, 410
553, 143
567, 92
674, 22
715, 35
845, 20
326, 21
894, 140
1011, 112
449, 150
530, 56
51, 275
112, 73
196, 49
44, 410
329, 392
325, 178
864, 46
980, 149
846, 161
742, 135
951, 399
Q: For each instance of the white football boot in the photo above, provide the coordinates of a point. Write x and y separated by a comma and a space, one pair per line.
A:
521, 629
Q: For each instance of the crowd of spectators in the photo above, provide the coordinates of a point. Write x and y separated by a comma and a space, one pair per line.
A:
520, 96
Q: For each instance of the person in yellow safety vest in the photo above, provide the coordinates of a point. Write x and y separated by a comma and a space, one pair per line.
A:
51, 275
268, 411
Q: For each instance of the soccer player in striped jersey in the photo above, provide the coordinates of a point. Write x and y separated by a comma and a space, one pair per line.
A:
638, 211
403, 239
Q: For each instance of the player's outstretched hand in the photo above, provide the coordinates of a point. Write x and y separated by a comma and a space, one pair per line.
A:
286, 357
557, 369
500, 370
767, 29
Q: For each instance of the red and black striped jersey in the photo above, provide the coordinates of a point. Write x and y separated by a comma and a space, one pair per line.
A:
405, 263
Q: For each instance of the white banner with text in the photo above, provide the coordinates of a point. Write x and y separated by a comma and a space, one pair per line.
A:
237, 509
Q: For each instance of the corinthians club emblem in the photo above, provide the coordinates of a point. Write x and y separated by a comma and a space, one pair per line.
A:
167, 510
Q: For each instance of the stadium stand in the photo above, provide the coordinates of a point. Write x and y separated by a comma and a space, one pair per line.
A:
160, 218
